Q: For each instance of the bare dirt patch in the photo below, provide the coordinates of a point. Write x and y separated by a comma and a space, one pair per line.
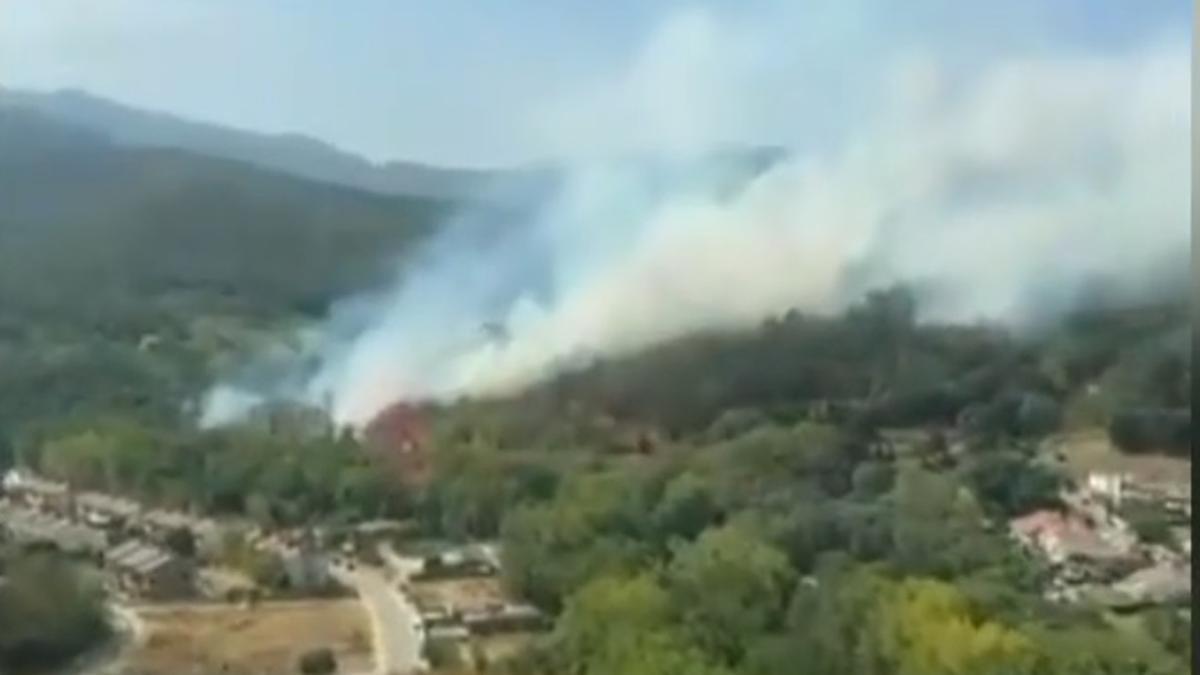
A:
266, 639
463, 595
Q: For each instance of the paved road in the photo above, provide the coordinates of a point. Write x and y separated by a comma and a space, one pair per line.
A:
394, 621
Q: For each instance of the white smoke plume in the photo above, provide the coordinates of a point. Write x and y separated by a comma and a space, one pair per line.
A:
1003, 193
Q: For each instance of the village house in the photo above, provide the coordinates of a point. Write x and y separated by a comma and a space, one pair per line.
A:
449, 633
465, 562
458, 597
1100, 516
1175, 497
36, 492
147, 571
106, 511
445, 622
370, 533
305, 566
157, 524
30, 527
435, 616
504, 618
1118, 488
1108, 486
1069, 543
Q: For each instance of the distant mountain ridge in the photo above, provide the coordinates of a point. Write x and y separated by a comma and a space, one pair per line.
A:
83, 217
296, 154
316, 160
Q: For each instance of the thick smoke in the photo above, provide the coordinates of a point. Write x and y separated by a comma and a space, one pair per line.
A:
1002, 195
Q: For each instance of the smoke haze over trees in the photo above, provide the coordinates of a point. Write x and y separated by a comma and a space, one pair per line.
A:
1005, 195
824, 296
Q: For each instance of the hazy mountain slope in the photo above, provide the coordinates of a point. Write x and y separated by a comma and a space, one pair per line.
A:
313, 159
83, 217
292, 153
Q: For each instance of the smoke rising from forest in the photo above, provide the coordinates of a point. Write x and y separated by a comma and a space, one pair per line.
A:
1006, 193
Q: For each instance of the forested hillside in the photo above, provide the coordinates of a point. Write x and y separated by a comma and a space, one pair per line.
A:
123, 272
86, 214
813, 494
820, 495
290, 153
877, 367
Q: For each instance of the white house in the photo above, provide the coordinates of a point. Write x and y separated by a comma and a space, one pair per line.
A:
1110, 486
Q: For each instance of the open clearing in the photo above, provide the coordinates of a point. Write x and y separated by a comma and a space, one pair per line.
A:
265, 640
1088, 451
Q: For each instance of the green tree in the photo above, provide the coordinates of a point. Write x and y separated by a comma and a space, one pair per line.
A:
49, 612
730, 587
627, 625
1037, 414
872, 479
1173, 629
937, 526
1008, 484
826, 630
926, 627
595, 525
84, 459
811, 528
688, 505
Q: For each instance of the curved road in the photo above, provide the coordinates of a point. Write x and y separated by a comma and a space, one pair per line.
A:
394, 620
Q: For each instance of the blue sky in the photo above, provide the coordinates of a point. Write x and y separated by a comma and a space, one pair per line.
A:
486, 82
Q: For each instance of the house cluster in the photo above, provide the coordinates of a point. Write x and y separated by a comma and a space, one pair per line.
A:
127, 539
463, 563
457, 597
1120, 488
493, 618
303, 555
145, 570
1094, 553
33, 527
99, 510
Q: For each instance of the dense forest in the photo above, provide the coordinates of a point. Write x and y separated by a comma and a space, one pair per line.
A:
126, 274
737, 503
727, 503
733, 517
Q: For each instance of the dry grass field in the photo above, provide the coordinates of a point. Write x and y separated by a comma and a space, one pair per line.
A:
1086, 451
265, 640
